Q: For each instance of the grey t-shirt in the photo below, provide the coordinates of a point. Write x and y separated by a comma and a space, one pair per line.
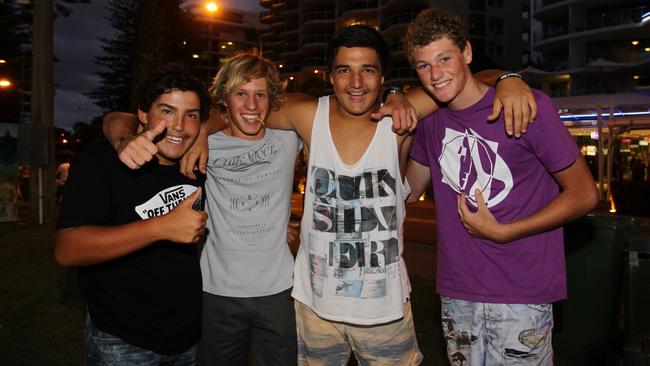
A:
248, 200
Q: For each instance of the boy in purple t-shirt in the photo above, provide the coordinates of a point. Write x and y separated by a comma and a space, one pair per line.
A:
500, 204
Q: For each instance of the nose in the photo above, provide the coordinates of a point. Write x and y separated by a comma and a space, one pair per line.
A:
357, 80
436, 73
176, 123
250, 103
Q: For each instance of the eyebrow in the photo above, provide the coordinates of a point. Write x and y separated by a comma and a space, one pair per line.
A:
174, 108
346, 66
167, 106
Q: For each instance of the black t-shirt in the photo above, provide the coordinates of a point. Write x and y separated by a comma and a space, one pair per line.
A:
150, 298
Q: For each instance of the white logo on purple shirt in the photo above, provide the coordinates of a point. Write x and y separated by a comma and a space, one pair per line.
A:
469, 162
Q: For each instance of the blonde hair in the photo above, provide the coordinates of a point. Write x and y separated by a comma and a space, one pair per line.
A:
241, 69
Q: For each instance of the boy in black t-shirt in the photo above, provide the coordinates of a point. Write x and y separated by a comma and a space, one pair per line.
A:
133, 234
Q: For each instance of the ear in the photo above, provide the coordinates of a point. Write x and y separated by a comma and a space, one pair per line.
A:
142, 116
382, 78
467, 53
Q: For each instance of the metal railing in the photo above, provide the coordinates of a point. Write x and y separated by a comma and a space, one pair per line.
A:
400, 18
317, 38
593, 21
358, 5
319, 15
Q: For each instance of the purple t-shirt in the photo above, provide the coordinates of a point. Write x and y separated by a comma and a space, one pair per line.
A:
464, 152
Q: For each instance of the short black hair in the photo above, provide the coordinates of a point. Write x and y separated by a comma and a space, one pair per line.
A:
359, 35
167, 78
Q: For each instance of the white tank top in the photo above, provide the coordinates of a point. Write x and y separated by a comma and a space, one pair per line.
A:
349, 267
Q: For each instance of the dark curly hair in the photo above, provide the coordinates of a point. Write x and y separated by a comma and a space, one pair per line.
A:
359, 35
166, 79
431, 25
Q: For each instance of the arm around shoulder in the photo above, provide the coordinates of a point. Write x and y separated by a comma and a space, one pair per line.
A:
117, 125
299, 109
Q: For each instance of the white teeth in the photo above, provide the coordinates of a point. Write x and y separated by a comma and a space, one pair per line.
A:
356, 94
441, 85
250, 117
174, 139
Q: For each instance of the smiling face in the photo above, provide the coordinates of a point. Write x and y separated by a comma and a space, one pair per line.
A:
246, 105
180, 112
443, 70
356, 77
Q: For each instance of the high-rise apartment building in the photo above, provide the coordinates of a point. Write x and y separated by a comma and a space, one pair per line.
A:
216, 34
300, 29
591, 46
593, 57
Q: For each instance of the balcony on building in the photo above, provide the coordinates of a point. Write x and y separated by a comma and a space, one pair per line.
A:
396, 46
318, 16
549, 10
288, 48
314, 61
401, 73
316, 40
619, 23
399, 21
289, 27
356, 7
266, 17
292, 5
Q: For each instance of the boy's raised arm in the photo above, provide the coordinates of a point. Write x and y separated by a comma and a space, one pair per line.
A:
513, 96
119, 125
516, 99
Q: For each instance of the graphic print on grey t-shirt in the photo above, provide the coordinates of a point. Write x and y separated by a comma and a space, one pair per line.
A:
241, 163
263, 155
469, 162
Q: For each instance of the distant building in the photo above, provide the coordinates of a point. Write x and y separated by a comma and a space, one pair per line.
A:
300, 29
593, 57
219, 34
591, 46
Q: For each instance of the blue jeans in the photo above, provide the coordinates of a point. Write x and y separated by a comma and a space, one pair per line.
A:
497, 334
103, 349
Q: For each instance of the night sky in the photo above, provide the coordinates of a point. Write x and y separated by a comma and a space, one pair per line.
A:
76, 43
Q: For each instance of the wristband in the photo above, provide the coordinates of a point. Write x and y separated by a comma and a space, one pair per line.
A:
508, 75
389, 90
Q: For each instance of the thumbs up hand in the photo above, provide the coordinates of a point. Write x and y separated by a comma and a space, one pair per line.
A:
183, 224
136, 151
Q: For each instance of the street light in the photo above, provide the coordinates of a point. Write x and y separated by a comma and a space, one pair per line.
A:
17, 82
212, 7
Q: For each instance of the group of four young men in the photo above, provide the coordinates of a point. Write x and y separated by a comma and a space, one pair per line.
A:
498, 205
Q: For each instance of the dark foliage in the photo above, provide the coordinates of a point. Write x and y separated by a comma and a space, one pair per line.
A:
113, 93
